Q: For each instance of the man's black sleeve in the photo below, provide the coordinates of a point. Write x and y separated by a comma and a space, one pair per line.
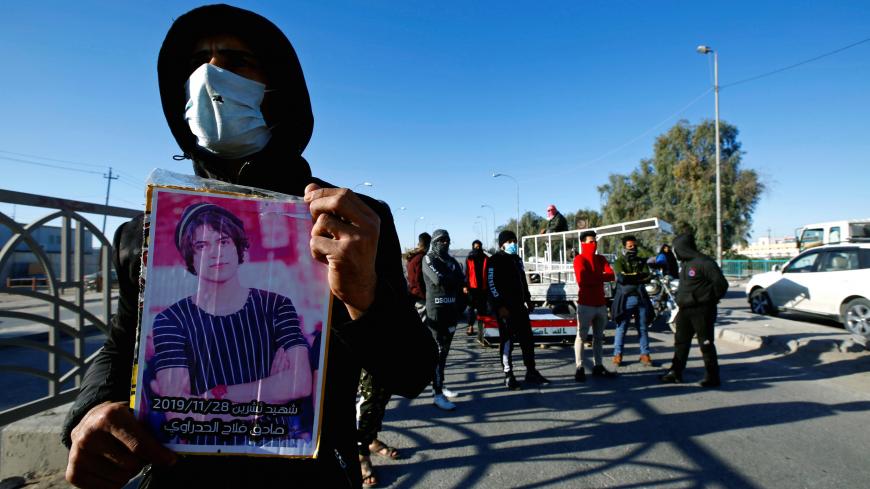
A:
717, 278
389, 340
108, 377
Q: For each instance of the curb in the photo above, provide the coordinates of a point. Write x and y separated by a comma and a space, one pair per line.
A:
745, 339
786, 345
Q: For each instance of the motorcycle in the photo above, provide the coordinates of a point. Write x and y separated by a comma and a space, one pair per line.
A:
662, 290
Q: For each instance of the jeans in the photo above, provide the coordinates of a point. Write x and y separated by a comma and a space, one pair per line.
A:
633, 308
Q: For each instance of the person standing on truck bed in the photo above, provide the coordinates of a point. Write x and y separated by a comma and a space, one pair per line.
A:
556, 222
631, 300
509, 298
591, 271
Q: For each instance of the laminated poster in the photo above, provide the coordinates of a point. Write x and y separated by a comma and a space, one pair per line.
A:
233, 321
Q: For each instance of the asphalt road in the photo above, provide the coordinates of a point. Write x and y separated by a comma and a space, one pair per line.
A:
786, 421
790, 421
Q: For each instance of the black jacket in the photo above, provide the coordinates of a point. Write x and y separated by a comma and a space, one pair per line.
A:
701, 280
389, 340
506, 282
557, 224
444, 298
632, 274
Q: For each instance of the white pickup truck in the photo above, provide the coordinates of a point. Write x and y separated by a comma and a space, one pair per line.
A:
548, 260
832, 232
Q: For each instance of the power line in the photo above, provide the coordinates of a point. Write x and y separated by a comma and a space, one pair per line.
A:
52, 159
647, 131
801, 63
49, 165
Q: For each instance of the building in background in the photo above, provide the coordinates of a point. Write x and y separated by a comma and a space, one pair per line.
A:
23, 263
769, 247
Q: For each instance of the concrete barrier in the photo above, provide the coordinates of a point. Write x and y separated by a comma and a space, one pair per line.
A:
32, 445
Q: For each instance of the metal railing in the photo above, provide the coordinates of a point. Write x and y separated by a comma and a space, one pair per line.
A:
748, 268
69, 275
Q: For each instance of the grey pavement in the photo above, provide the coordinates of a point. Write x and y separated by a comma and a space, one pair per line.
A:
784, 418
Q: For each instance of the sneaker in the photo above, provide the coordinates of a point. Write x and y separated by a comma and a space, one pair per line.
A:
617, 359
535, 377
671, 377
600, 371
580, 375
449, 393
710, 382
646, 360
511, 382
442, 403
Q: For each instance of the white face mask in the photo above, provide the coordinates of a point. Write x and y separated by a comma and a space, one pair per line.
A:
223, 112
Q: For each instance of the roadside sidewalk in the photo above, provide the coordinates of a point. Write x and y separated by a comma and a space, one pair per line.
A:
13, 302
786, 333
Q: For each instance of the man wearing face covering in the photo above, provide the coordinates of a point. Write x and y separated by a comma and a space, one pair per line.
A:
509, 297
235, 99
444, 303
592, 271
702, 286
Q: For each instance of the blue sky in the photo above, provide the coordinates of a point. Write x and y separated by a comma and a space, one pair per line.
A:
427, 99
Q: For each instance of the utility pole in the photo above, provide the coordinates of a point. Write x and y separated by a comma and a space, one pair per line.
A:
109, 179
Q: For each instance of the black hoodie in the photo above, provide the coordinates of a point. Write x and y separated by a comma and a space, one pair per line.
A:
389, 340
701, 280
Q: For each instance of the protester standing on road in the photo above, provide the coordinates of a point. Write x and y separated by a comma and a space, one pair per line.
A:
592, 271
444, 304
702, 286
475, 285
372, 407
631, 300
508, 295
416, 284
667, 262
254, 134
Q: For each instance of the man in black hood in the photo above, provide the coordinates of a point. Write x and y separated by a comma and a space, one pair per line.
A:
701, 287
509, 298
444, 304
235, 100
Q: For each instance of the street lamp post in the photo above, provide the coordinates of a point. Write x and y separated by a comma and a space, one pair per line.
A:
363, 184
485, 225
496, 175
491, 208
707, 50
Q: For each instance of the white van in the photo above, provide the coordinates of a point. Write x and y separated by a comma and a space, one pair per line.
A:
832, 232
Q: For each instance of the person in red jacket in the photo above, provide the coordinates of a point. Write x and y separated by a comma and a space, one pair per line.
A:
591, 271
475, 285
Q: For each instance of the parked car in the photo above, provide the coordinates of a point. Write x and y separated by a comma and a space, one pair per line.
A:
831, 281
92, 280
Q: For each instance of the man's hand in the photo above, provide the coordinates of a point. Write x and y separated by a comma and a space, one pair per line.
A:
109, 447
503, 313
345, 237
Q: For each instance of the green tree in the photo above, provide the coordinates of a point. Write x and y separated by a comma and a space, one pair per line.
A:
678, 184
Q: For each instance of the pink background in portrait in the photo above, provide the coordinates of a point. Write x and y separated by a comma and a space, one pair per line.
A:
278, 258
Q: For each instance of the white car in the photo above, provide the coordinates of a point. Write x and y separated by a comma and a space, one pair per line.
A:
831, 281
